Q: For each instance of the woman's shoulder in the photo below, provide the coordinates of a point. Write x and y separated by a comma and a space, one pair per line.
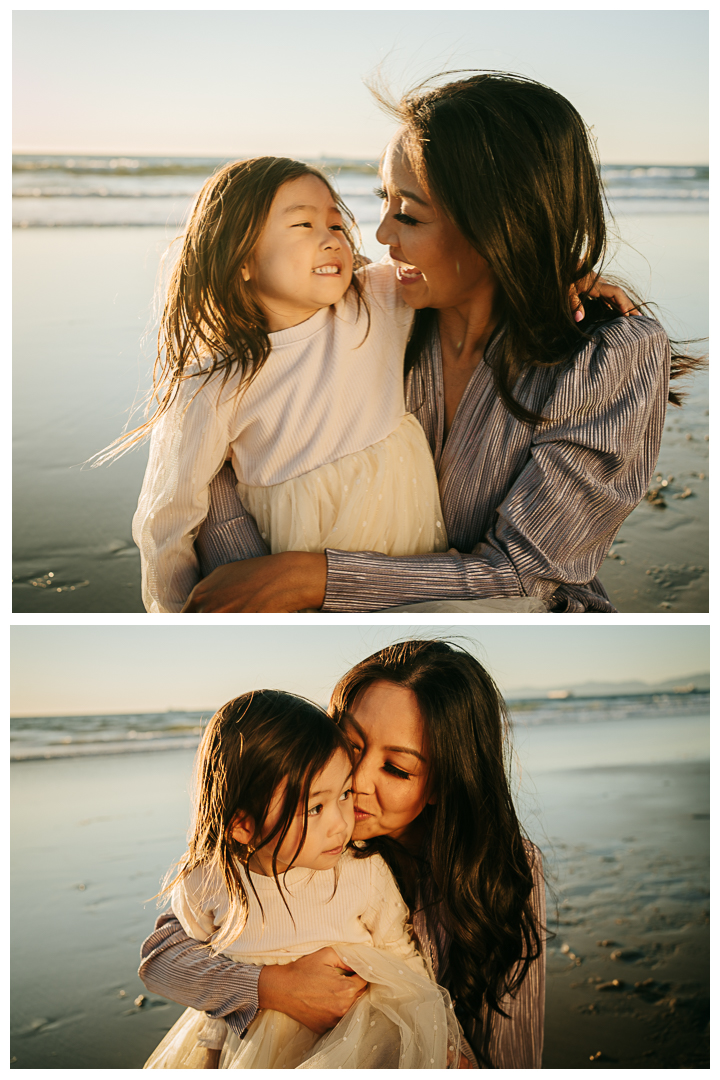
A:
628, 357
534, 857
626, 339
626, 329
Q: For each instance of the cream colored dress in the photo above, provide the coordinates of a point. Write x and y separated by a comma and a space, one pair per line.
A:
404, 1020
321, 443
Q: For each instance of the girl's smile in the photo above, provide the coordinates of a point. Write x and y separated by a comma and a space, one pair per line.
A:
302, 261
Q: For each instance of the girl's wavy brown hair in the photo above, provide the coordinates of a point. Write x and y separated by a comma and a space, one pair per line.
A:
251, 745
212, 323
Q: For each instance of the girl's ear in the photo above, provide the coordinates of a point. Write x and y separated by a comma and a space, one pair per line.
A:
242, 828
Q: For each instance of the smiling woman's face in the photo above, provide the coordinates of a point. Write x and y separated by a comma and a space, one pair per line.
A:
437, 266
392, 771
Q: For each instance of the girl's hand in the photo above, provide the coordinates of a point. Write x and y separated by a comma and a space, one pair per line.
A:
290, 581
317, 990
594, 285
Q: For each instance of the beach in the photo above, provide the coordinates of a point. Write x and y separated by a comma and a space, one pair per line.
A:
85, 269
618, 806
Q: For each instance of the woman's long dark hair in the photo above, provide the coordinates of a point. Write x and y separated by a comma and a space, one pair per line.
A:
251, 745
477, 870
512, 164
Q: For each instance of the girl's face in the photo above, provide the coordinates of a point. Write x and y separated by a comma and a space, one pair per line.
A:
392, 772
437, 267
303, 261
329, 823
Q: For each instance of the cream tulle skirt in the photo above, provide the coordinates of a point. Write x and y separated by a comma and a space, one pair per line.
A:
402, 1021
384, 498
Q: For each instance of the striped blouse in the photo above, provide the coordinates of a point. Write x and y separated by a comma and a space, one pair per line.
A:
184, 970
531, 510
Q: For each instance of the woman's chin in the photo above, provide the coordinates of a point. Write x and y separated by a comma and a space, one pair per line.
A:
415, 295
365, 830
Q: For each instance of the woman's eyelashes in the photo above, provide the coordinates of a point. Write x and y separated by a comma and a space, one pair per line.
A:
388, 767
404, 219
394, 771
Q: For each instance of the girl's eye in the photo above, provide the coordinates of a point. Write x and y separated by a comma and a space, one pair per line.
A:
315, 810
405, 219
346, 795
394, 771
356, 749
338, 228
302, 225
381, 193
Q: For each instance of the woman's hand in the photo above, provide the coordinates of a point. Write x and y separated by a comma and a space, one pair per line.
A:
290, 581
594, 285
317, 990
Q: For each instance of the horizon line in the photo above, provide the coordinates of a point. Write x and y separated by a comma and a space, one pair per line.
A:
507, 695
323, 156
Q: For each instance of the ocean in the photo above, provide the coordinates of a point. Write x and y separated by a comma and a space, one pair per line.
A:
89, 235
74, 191
548, 733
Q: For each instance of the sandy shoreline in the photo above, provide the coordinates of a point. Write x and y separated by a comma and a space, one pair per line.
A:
622, 843
632, 888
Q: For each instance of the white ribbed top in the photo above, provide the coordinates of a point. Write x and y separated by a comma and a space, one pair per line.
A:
366, 908
330, 387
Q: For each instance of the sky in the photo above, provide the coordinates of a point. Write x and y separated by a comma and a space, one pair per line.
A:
241, 83
76, 670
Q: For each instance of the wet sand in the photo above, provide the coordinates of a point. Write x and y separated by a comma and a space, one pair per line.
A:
628, 972
626, 851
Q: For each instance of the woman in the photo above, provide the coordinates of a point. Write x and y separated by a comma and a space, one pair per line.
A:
545, 431
429, 731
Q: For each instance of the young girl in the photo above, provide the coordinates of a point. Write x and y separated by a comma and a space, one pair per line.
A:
276, 353
267, 879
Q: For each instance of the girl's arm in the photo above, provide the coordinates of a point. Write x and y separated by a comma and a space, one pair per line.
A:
188, 447
312, 990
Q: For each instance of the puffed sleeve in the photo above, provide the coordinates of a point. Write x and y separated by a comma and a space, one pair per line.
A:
194, 904
188, 447
387, 917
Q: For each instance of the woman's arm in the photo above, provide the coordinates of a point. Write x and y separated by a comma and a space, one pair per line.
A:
313, 990
590, 465
228, 533
184, 970
516, 1042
